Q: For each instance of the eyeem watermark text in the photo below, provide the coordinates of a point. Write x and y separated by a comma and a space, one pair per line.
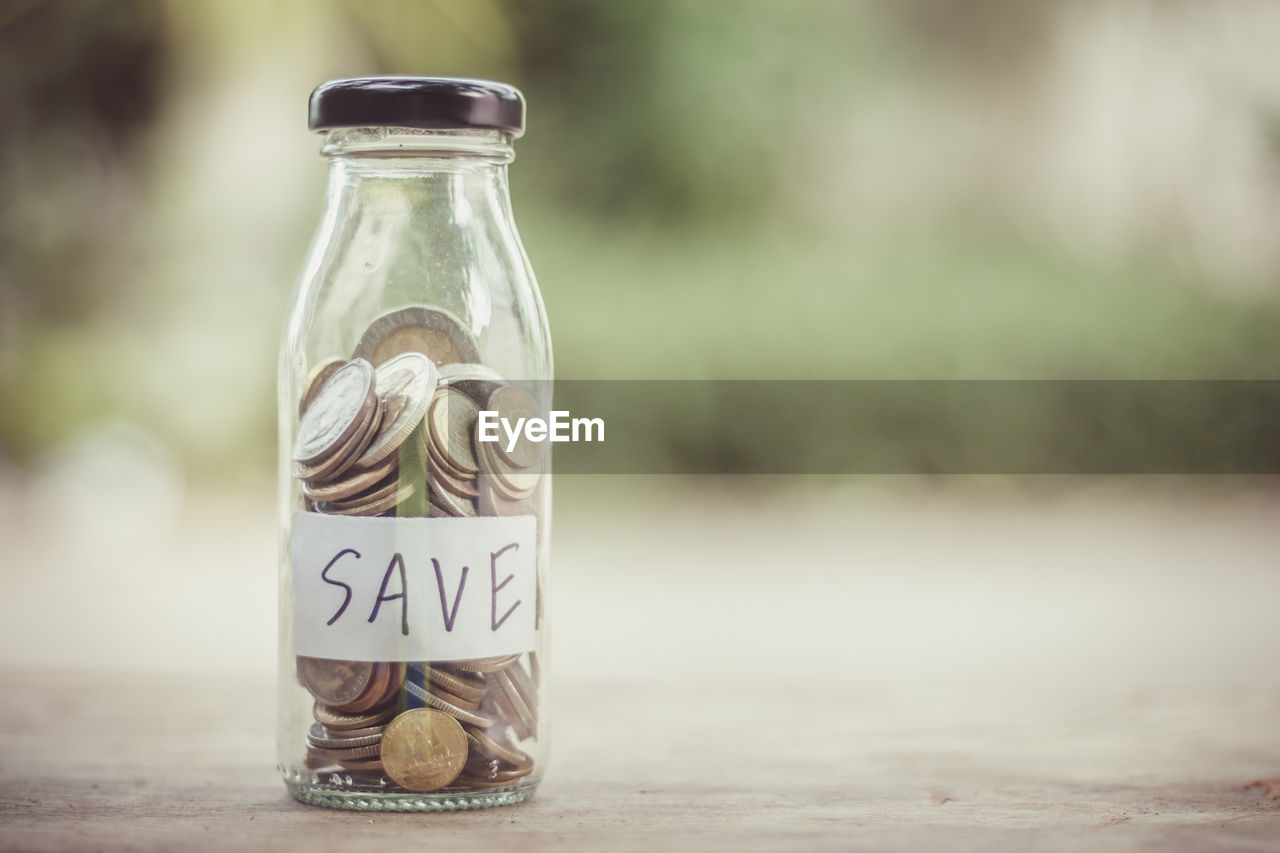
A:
560, 427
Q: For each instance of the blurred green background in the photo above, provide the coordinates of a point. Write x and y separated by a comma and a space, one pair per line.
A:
993, 189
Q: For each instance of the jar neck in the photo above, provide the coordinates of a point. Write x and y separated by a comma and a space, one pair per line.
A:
442, 178
414, 148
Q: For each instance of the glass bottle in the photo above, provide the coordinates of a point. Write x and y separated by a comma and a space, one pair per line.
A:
414, 557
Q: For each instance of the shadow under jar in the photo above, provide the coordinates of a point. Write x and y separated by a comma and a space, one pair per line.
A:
414, 556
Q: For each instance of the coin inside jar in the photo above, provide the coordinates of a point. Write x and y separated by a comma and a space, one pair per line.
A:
433, 332
334, 682
339, 409
405, 385
451, 425
318, 377
423, 749
512, 403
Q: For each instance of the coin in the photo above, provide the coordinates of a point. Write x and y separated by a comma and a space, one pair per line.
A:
335, 413
430, 452
333, 719
373, 692
485, 665
353, 482
318, 376
447, 707
492, 501
489, 748
452, 700
468, 688
385, 683
433, 332
524, 684
453, 505
345, 754
405, 386
423, 749
463, 488
334, 682
512, 402
317, 737
335, 462
388, 498
319, 729
512, 707
451, 424
515, 483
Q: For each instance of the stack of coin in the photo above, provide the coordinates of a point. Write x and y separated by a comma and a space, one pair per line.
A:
449, 448
360, 419
393, 432
483, 696
354, 702
509, 475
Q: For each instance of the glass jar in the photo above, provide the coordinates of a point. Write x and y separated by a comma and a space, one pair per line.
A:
414, 557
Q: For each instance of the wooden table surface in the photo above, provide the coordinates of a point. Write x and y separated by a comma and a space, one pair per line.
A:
1091, 675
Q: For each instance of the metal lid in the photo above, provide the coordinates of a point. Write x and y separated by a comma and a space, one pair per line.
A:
432, 103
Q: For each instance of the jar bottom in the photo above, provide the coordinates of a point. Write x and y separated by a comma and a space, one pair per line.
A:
373, 799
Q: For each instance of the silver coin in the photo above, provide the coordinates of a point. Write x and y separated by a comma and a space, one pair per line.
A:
335, 463
431, 331
449, 708
319, 375
405, 386
334, 414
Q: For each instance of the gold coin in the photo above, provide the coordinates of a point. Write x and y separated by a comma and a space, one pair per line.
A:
423, 749
433, 332
334, 682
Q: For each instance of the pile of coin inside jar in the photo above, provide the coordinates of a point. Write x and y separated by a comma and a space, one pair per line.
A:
392, 432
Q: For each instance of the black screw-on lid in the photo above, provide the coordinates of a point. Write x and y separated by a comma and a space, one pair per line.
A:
433, 103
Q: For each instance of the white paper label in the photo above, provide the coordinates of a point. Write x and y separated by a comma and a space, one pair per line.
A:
413, 589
